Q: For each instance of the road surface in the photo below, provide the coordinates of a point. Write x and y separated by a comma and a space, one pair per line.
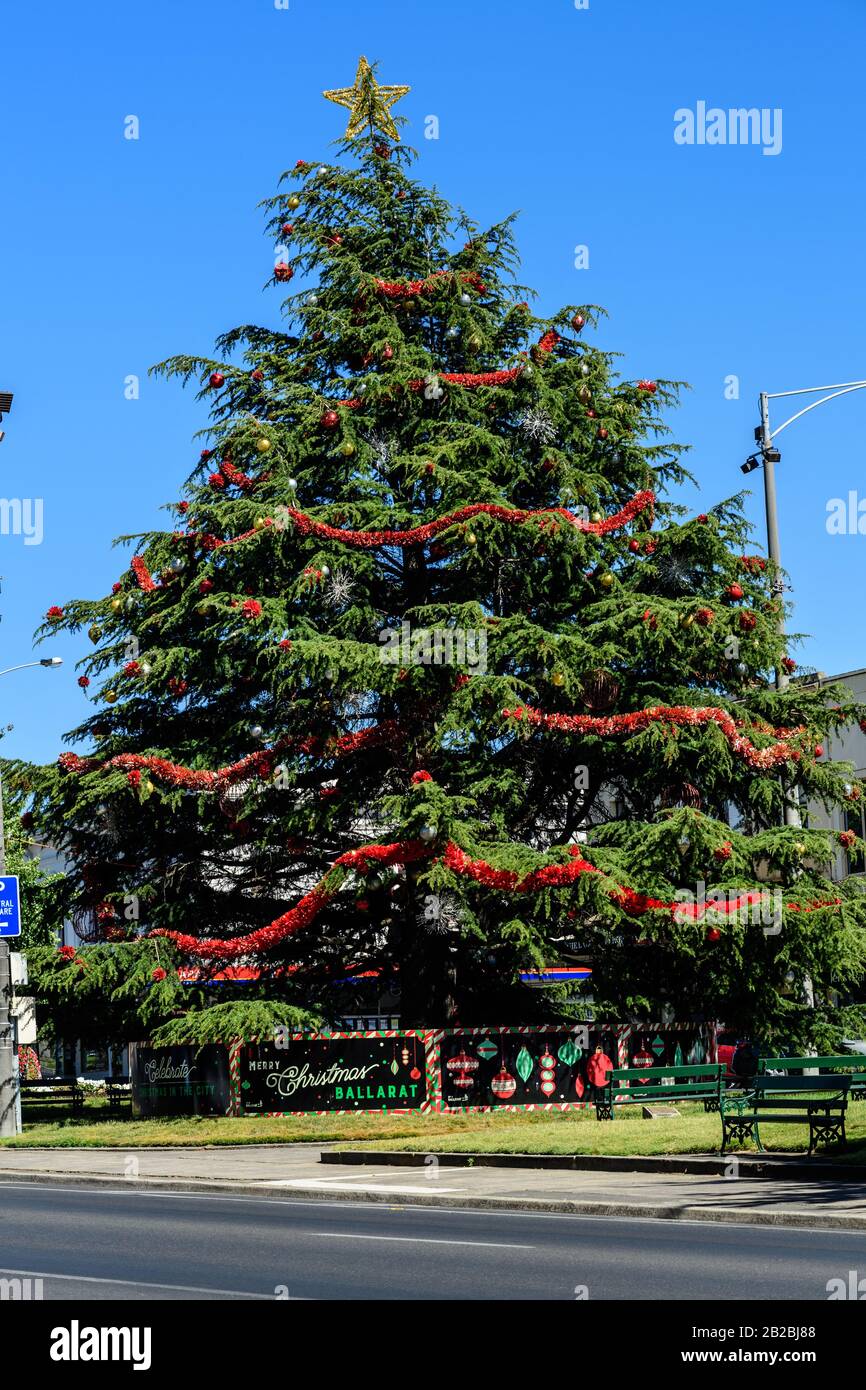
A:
91, 1244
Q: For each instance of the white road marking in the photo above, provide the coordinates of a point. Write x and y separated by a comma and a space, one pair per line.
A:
129, 1283
423, 1240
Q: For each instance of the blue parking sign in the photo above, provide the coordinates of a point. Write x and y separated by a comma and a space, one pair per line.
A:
10, 906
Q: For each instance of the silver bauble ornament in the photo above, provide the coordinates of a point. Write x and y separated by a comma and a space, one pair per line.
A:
427, 833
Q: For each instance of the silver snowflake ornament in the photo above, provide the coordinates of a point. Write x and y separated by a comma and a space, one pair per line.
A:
536, 427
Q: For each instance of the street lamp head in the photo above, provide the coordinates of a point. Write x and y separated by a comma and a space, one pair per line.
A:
51, 661
772, 454
750, 465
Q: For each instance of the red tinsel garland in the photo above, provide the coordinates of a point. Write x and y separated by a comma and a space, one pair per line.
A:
610, 725
456, 859
410, 289
261, 763
419, 535
470, 379
142, 574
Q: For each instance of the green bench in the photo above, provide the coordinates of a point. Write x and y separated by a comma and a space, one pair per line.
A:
637, 1085
55, 1090
118, 1093
817, 1101
855, 1067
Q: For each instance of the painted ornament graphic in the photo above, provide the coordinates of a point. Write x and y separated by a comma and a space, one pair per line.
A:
524, 1064
643, 1059
503, 1085
547, 1082
461, 1068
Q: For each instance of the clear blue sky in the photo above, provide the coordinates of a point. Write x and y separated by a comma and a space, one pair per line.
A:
711, 260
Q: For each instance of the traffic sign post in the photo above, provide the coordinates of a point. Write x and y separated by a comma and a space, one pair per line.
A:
10, 906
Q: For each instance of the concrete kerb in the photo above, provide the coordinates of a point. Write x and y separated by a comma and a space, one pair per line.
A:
750, 1166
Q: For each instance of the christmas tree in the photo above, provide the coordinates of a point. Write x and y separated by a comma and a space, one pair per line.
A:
430, 682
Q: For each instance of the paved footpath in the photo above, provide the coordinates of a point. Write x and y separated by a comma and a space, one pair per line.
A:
294, 1169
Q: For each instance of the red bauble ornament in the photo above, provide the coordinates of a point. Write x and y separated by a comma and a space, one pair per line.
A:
748, 622
54, 613
602, 433
420, 777
734, 591
330, 420
217, 380
788, 664
648, 386
634, 547
503, 1085
723, 852
578, 322
287, 228
705, 616
382, 150
158, 974
205, 586
703, 518
819, 750
713, 934
387, 352
414, 1074
257, 375
282, 271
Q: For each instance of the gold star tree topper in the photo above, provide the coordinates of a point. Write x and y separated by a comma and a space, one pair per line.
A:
368, 102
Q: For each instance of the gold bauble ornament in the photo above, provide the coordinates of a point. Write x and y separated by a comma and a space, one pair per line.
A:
557, 678
263, 445
475, 343
294, 202
148, 788
597, 516
606, 581
110, 696
347, 449
94, 633
687, 620
800, 847
471, 538
116, 605
259, 523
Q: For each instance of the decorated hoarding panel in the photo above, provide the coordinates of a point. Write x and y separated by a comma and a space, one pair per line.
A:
331, 1073
184, 1080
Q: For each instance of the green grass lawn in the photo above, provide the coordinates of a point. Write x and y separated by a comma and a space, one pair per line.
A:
577, 1132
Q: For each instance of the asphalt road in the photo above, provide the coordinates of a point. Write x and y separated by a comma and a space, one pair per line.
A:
88, 1244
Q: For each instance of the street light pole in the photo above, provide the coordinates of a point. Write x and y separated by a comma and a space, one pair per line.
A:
770, 456
8, 1067
9, 1111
